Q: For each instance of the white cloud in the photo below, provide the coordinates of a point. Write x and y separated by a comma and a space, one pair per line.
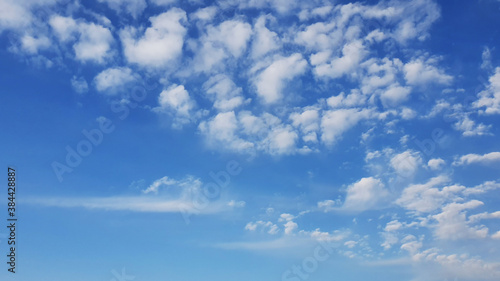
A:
335, 122
365, 194
326, 205
171, 196
239, 204
469, 127
352, 54
281, 140
318, 37
353, 99
489, 99
290, 227
393, 226
268, 227
175, 100
394, 95
165, 181
14, 15
422, 72
204, 14
32, 44
223, 129
407, 163
308, 122
486, 56
265, 40
415, 20
233, 34
92, 41
160, 44
132, 7
229, 38
112, 80
64, 27
271, 81
428, 197
79, 84
452, 222
489, 159
436, 163
223, 92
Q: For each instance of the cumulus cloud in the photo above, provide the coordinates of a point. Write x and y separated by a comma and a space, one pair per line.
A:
335, 122
352, 54
452, 222
14, 15
31, 44
423, 72
271, 81
265, 40
407, 163
223, 129
160, 44
365, 194
114, 79
428, 197
436, 163
489, 99
176, 101
488, 159
229, 38
91, 42
223, 92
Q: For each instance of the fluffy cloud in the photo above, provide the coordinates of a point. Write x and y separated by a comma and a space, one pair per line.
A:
488, 159
489, 99
428, 197
229, 38
365, 194
271, 81
112, 80
223, 92
265, 40
14, 15
176, 101
32, 44
335, 122
407, 163
422, 72
352, 54
469, 127
452, 222
223, 129
160, 44
92, 41
308, 122
436, 163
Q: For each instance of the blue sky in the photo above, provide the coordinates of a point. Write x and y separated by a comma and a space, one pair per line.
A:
252, 140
